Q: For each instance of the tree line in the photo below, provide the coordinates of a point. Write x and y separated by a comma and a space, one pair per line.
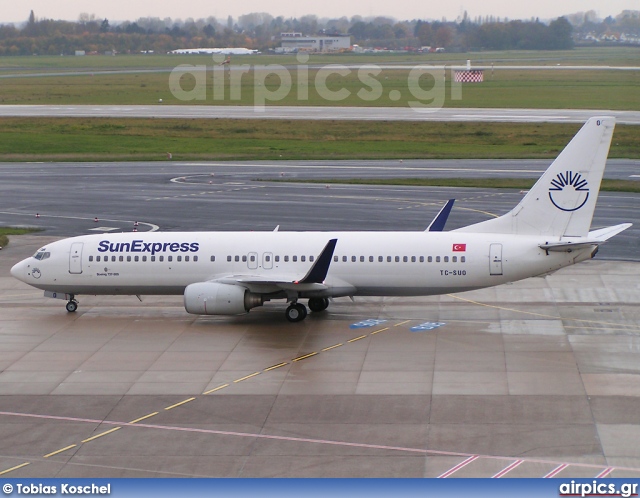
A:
261, 31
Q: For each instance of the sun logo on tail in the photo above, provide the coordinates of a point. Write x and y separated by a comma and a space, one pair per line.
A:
569, 191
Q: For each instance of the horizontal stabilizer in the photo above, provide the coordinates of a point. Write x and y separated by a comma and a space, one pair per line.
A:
594, 238
606, 233
437, 225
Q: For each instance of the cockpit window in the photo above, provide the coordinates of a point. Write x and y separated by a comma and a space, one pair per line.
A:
40, 255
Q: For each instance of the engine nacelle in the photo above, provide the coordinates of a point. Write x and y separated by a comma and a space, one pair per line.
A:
210, 298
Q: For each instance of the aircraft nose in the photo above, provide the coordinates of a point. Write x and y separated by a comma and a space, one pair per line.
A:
17, 271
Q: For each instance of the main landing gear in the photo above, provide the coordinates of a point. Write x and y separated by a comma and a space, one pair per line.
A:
297, 312
72, 305
318, 304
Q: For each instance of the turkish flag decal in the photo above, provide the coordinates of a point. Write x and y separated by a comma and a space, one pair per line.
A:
459, 247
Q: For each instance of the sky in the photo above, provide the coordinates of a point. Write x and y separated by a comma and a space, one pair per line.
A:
123, 10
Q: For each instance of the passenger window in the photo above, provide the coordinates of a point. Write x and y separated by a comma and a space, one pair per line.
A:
397, 259
454, 259
98, 259
186, 258
90, 258
229, 259
370, 259
286, 259
213, 258
380, 259
169, 259
144, 258
388, 259
179, 258
405, 259
121, 258
311, 258
294, 258
430, 259
353, 259
437, 259
302, 258
195, 258
413, 259
335, 259
277, 259
113, 259
244, 259
161, 259
344, 259
237, 258
153, 258
421, 259
128, 259
463, 259
136, 258
446, 259
268, 258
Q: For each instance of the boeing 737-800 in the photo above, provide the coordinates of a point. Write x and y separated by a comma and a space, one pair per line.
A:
229, 273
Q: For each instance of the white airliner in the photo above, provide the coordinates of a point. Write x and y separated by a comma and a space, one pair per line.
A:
229, 273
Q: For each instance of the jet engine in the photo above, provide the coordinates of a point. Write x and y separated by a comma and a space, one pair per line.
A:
210, 298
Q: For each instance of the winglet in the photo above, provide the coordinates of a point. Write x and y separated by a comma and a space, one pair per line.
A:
318, 272
437, 225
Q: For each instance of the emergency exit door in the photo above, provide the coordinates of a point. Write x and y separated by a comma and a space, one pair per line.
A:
495, 259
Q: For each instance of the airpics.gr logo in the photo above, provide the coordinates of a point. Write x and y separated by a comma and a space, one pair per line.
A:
569, 191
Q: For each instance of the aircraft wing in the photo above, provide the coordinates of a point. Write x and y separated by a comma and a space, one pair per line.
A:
312, 281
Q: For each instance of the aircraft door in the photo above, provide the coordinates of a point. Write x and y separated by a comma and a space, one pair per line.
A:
495, 259
267, 261
75, 258
252, 260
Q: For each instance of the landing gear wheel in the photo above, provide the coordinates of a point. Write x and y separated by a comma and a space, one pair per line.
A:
317, 304
72, 306
296, 312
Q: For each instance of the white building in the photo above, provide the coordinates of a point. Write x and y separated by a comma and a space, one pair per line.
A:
296, 42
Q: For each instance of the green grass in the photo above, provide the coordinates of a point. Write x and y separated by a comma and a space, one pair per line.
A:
544, 88
616, 90
511, 183
6, 231
110, 139
611, 56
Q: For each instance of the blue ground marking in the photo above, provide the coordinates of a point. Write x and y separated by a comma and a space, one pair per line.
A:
366, 323
427, 326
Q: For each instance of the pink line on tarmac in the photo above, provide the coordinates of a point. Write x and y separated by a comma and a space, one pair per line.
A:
556, 471
508, 469
458, 467
240, 434
315, 441
605, 472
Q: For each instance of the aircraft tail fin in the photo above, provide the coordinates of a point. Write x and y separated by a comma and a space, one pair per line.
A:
562, 201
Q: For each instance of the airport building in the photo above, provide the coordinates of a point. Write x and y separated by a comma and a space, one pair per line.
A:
296, 42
